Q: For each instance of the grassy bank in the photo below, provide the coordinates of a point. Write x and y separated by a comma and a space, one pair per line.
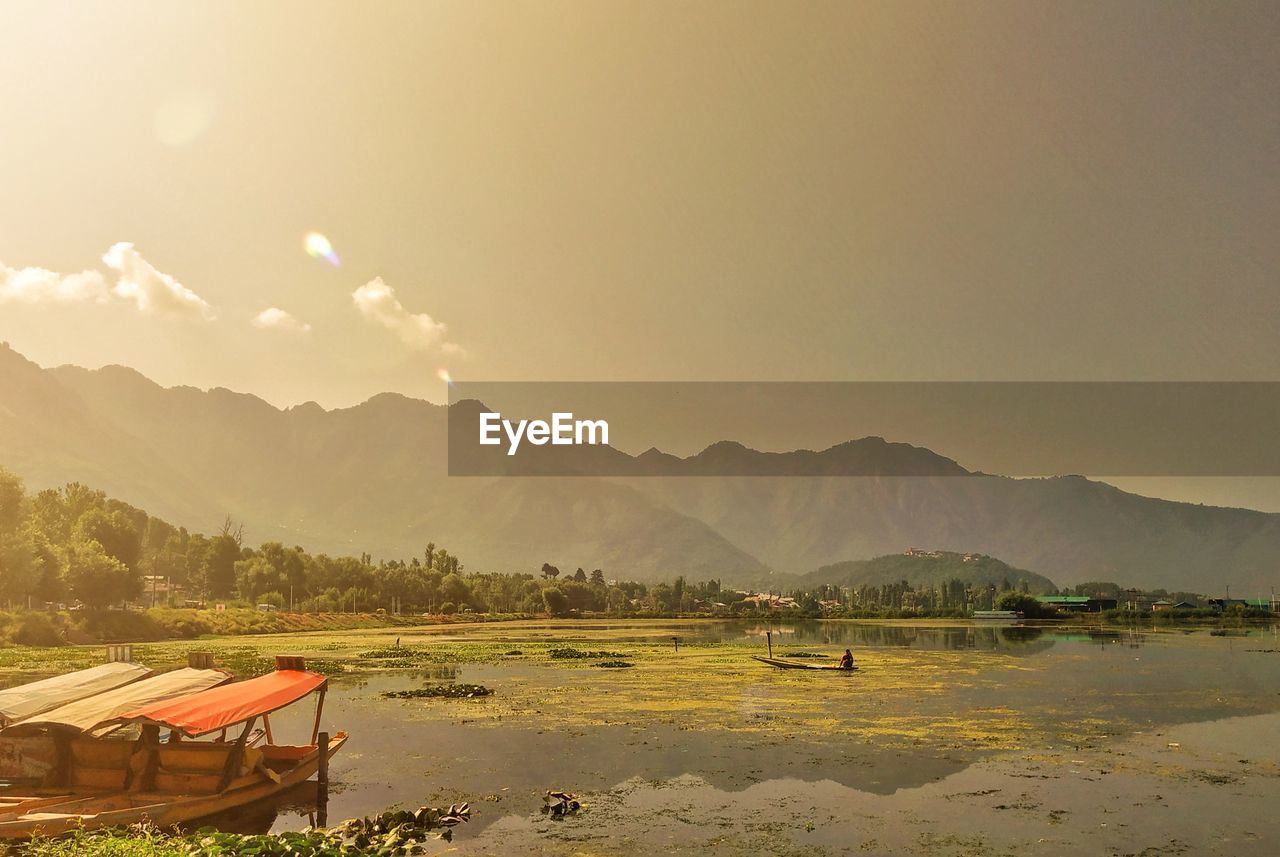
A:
82, 627
392, 832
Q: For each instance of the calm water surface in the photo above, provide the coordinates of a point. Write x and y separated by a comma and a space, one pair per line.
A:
1123, 685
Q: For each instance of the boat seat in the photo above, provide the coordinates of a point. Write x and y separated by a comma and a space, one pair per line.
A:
100, 763
285, 755
197, 768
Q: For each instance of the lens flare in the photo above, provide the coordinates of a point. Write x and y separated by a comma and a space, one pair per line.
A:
318, 247
443, 375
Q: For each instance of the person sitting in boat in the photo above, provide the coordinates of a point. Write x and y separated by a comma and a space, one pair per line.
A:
846, 660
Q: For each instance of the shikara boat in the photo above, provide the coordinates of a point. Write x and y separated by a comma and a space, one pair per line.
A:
1006, 617
31, 749
27, 700
782, 663
108, 781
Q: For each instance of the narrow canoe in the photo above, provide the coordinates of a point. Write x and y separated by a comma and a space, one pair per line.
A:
792, 665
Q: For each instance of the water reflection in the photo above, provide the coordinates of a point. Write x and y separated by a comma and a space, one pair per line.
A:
304, 805
1017, 640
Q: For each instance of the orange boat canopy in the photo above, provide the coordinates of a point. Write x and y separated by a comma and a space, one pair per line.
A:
220, 707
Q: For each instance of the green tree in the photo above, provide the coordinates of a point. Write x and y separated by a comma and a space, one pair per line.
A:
50, 586
20, 564
98, 579
454, 588
20, 567
255, 576
581, 596
597, 577
663, 598
288, 563
616, 601
555, 601
220, 566
114, 532
12, 494
56, 511
1027, 605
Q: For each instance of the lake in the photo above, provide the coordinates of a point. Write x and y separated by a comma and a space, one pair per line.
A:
950, 739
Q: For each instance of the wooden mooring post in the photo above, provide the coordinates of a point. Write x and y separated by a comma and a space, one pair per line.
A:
322, 747
200, 660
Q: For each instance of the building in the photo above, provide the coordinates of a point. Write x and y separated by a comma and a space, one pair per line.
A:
158, 590
1272, 604
1077, 603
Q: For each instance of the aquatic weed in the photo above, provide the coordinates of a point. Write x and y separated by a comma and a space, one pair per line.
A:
447, 691
569, 653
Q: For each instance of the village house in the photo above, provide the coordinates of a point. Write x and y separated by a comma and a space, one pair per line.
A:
1077, 603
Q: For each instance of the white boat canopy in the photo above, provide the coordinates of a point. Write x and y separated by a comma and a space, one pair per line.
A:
19, 703
85, 714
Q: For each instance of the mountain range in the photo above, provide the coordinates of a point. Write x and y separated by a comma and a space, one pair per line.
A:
929, 568
374, 477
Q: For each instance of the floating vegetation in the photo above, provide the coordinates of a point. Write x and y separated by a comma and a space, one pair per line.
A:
567, 653
614, 665
325, 666
384, 652
400, 832
440, 691
560, 804
512, 653
803, 655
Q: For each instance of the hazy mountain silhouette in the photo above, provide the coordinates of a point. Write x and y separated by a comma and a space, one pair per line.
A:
374, 477
929, 568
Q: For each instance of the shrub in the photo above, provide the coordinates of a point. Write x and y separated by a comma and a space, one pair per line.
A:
36, 629
1025, 604
448, 608
120, 625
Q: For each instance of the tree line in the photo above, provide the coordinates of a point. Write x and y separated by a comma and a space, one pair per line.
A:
74, 544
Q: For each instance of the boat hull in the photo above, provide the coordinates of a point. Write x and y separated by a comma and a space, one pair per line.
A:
791, 665
95, 812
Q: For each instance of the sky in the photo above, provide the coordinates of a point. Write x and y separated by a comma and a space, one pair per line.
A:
640, 191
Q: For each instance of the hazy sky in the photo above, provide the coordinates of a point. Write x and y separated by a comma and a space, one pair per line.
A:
600, 190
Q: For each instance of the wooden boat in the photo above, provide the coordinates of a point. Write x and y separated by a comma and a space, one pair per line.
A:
29, 749
785, 664
27, 700
1007, 617
109, 782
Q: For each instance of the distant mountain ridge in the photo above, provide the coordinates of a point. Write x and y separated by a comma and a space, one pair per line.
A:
373, 477
930, 568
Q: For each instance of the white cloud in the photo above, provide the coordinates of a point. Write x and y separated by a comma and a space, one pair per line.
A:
38, 285
377, 302
274, 318
150, 290
454, 349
